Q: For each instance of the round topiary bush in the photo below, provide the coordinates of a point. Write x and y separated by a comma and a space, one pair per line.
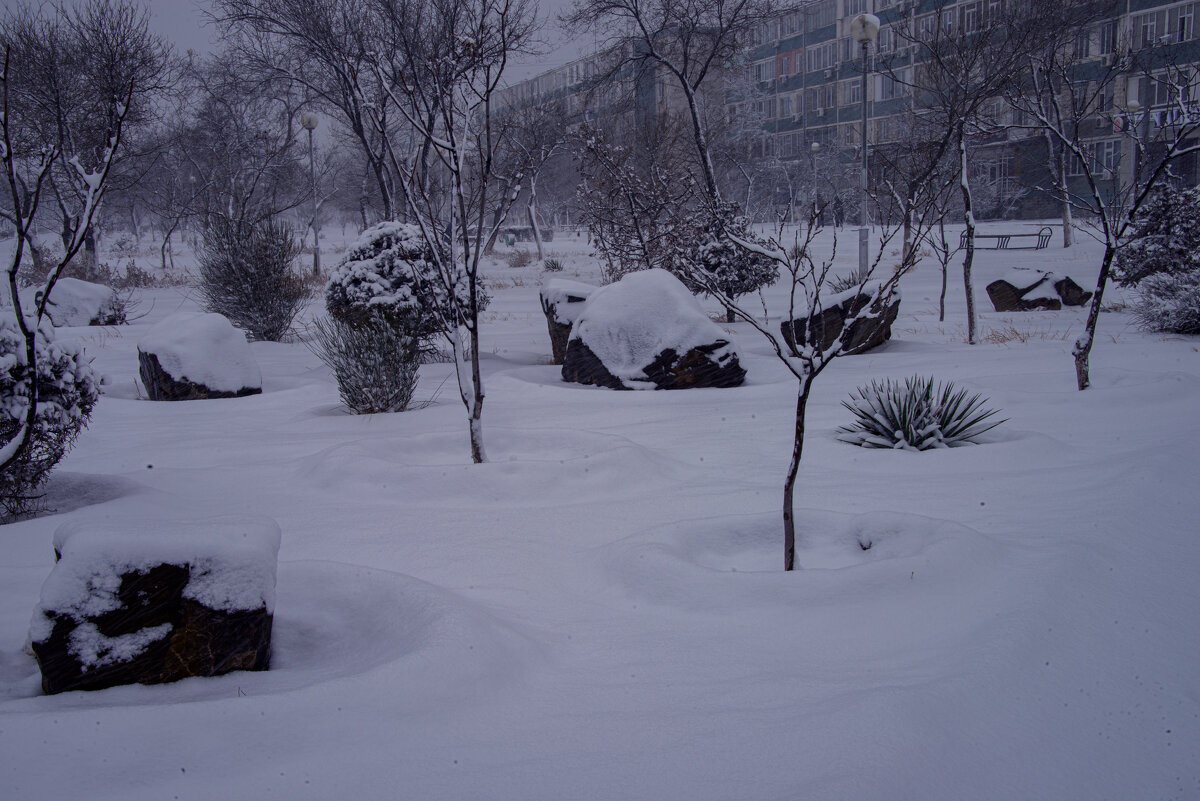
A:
67, 390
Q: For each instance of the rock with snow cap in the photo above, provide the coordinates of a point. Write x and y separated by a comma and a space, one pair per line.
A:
562, 303
155, 603
1026, 289
192, 356
870, 328
647, 331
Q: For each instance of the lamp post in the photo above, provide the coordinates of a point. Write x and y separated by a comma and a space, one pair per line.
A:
863, 29
813, 150
309, 123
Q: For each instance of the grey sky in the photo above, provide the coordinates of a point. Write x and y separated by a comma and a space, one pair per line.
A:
183, 24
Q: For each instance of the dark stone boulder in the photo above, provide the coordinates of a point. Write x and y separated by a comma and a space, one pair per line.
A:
1024, 289
710, 365
562, 303
115, 613
825, 327
161, 386
647, 331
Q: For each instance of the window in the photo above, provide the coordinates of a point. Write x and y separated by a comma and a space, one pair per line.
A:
822, 97
1108, 38
1083, 44
1147, 26
970, 17
821, 57
851, 92
764, 71
856, 7
824, 14
891, 88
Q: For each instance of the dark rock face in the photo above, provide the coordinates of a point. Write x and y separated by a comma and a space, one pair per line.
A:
1007, 297
200, 641
704, 366
560, 331
824, 328
161, 386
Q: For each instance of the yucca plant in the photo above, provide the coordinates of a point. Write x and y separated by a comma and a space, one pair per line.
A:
915, 415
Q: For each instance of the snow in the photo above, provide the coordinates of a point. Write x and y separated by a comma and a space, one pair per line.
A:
205, 349
627, 323
74, 302
556, 293
600, 611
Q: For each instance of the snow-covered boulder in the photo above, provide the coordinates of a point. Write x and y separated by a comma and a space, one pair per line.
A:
562, 303
1026, 289
191, 355
153, 603
824, 327
646, 331
78, 303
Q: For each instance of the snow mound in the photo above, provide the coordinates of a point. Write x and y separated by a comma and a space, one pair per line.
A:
76, 303
629, 323
203, 349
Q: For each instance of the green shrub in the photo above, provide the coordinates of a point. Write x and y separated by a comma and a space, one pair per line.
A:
374, 362
915, 415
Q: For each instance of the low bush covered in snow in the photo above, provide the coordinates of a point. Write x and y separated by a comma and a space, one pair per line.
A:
246, 275
67, 390
1169, 303
915, 415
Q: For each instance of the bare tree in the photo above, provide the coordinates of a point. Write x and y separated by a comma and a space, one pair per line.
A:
74, 69
689, 42
28, 171
964, 58
442, 68
1146, 95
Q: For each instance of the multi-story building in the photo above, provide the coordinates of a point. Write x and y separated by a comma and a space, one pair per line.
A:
803, 71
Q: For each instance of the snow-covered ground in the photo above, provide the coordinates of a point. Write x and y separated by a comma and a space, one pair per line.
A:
600, 611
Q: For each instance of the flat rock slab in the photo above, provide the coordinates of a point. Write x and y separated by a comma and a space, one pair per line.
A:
824, 327
152, 604
1024, 289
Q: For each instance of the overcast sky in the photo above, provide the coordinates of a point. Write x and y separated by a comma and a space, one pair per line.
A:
182, 22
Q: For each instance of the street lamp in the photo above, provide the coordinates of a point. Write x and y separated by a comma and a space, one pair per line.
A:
309, 123
863, 29
813, 150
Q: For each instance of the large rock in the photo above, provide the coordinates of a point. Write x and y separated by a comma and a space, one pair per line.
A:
191, 356
562, 303
1025, 289
825, 326
154, 604
78, 303
646, 331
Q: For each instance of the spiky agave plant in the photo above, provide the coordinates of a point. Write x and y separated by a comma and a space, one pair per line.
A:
915, 415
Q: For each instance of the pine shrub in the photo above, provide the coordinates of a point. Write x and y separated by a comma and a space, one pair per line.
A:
246, 275
1164, 239
1169, 303
67, 389
375, 363
915, 415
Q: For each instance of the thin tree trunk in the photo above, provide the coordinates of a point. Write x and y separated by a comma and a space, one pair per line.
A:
1083, 346
789, 485
964, 183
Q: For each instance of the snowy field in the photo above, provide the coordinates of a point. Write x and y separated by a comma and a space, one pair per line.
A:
600, 612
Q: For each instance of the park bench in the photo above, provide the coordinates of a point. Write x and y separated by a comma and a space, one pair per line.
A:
1036, 241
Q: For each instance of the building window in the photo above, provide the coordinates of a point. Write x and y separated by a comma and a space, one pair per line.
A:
851, 92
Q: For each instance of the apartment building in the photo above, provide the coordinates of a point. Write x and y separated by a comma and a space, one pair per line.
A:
803, 85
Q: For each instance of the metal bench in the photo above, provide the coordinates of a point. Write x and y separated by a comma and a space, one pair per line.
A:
1039, 241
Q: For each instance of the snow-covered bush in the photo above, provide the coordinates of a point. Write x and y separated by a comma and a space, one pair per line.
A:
1165, 237
1169, 303
726, 266
67, 389
375, 363
915, 415
246, 275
